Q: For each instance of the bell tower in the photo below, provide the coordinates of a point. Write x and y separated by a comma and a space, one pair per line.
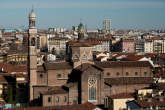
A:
32, 53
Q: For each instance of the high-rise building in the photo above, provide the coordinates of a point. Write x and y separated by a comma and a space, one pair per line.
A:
106, 25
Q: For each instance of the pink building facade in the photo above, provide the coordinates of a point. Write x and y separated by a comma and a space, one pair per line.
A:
128, 46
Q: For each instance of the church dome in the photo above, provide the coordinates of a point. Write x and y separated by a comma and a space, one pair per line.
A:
81, 26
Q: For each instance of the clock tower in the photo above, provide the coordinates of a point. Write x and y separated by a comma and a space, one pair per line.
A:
32, 53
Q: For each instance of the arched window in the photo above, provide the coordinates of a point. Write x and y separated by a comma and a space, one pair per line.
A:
145, 73
49, 99
117, 74
33, 42
136, 73
75, 57
92, 83
106, 102
75, 100
65, 99
41, 75
127, 73
108, 73
57, 99
58, 76
84, 57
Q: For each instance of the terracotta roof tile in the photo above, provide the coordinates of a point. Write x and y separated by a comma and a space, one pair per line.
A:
3, 79
85, 66
110, 64
56, 90
154, 102
12, 68
57, 66
128, 80
80, 44
160, 86
122, 96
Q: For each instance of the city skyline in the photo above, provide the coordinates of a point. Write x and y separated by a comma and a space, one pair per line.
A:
127, 14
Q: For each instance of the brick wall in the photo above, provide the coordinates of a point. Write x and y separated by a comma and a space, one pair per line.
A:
51, 100
131, 70
53, 80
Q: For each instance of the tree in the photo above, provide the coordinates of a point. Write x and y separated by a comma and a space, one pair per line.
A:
9, 97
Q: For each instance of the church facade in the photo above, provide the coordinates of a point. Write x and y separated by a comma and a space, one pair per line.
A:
81, 79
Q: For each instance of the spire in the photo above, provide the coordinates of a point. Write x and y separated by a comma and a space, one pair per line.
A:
32, 8
32, 18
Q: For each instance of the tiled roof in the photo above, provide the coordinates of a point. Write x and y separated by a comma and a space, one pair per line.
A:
85, 66
56, 90
2, 79
133, 57
12, 68
154, 38
160, 86
110, 64
58, 38
122, 96
80, 44
57, 66
162, 56
129, 80
158, 75
100, 39
154, 102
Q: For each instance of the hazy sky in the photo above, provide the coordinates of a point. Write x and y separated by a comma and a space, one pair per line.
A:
124, 14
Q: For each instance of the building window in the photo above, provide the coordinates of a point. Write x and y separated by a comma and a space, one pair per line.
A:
92, 83
127, 73
75, 57
58, 76
65, 99
145, 73
106, 102
84, 57
41, 75
75, 100
117, 74
33, 42
136, 73
57, 99
49, 99
108, 74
